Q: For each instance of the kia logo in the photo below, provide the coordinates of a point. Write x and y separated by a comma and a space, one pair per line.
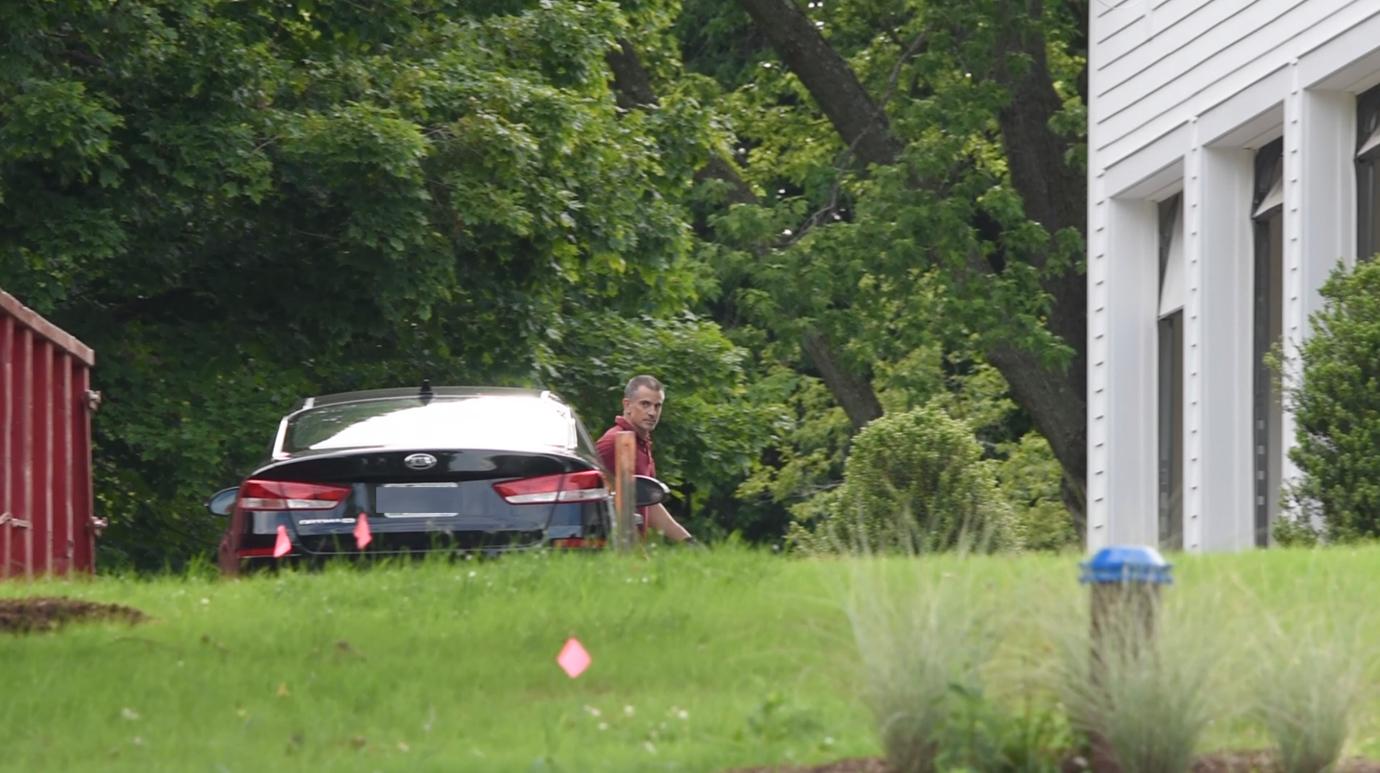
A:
420, 462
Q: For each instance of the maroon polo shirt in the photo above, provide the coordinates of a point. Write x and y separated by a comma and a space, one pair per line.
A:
643, 463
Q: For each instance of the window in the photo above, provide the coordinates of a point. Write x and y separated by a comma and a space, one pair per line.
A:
1267, 421
1171, 381
493, 422
1367, 174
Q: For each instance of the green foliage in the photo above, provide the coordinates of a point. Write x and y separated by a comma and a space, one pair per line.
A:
236, 203
897, 259
1029, 478
1337, 410
240, 202
889, 263
913, 481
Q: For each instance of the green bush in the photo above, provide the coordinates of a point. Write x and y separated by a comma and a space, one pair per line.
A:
1337, 408
1029, 478
913, 481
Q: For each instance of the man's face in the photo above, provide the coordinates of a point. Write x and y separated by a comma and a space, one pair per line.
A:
644, 409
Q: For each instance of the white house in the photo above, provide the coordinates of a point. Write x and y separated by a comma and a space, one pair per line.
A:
1232, 153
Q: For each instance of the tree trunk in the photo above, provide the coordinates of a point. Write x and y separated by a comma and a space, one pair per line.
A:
632, 86
852, 392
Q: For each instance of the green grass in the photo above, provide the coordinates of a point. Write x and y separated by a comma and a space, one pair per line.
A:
702, 661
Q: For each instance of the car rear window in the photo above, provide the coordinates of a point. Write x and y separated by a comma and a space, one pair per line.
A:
469, 422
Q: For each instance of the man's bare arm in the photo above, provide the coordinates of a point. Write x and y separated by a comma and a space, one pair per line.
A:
658, 518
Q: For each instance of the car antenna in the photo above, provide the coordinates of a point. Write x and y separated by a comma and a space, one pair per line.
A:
425, 393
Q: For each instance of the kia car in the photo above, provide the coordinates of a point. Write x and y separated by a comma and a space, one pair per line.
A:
416, 470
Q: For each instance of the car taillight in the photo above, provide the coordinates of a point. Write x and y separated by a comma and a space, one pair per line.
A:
587, 486
289, 495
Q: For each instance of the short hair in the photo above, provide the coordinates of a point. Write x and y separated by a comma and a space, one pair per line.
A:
637, 382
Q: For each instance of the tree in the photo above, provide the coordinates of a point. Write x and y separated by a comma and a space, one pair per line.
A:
955, 165
239, 203
1002, 46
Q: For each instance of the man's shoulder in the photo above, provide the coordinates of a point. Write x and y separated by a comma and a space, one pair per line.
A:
604, 445
619, 425
609, 433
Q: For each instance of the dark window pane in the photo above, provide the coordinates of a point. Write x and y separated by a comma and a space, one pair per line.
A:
1367, 176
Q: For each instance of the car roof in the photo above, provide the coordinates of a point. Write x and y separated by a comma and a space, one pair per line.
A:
436, 391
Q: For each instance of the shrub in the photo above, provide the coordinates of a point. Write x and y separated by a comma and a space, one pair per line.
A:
1030, 479
1337, 410
913, 481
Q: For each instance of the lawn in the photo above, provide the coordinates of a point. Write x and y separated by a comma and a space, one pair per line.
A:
702, 661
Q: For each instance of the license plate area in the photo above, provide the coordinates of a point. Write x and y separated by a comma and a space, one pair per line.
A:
417, 500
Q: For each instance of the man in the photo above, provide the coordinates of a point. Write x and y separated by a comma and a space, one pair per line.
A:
642, 401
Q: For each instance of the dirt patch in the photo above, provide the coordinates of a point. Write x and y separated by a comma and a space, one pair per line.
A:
47, 613
1218, 762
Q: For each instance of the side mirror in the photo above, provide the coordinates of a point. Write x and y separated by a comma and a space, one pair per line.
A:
649, 491
223, 501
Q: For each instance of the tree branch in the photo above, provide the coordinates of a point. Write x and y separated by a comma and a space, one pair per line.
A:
859, 121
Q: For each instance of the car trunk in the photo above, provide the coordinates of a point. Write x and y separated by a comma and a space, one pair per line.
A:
452, 504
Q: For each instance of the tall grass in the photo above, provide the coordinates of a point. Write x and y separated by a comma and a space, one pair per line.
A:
1305, 692
922, 638
1308, 672
1142, 682
927, 630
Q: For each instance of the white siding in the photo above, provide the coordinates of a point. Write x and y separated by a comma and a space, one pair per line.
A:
1182, 94
1157, 65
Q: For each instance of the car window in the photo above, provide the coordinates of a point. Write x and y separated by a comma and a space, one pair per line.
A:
471, 422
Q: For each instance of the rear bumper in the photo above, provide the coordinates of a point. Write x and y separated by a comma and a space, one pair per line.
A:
317, 550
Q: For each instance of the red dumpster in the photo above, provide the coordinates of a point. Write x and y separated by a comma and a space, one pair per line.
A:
46, 524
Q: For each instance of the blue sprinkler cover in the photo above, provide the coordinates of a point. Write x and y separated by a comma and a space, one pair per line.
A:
1126, 563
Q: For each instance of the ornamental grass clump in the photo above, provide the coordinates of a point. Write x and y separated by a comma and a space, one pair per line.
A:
1141, 685
1307, 683
923, 637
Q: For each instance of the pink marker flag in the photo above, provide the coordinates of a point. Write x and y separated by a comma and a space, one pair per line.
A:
283, 545
362, 534
573, 658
